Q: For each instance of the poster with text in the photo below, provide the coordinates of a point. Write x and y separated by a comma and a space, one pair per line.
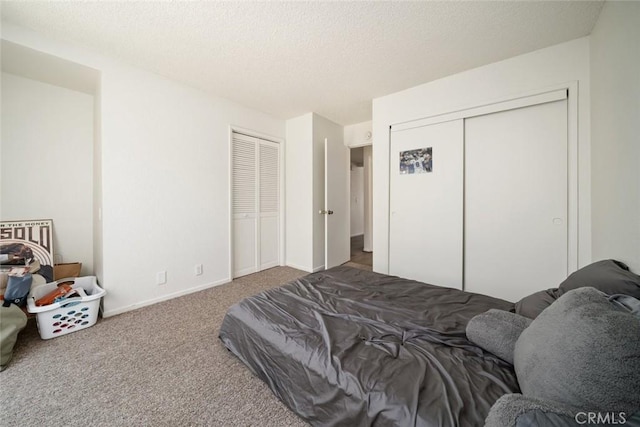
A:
26, 241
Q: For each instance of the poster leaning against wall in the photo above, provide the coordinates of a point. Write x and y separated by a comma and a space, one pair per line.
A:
24, 242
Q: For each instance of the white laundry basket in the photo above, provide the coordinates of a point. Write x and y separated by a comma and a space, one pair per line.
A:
69, 315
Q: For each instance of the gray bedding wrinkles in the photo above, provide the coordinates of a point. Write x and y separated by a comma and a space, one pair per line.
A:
348, 347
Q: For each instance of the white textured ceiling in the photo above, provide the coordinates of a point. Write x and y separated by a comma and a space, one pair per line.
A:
290, 58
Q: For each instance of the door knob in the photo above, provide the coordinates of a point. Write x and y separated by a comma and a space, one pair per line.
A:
329, 212
323, 212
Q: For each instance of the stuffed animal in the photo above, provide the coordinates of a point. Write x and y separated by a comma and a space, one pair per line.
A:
577, 362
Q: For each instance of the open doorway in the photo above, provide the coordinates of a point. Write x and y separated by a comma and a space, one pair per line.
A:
360, 199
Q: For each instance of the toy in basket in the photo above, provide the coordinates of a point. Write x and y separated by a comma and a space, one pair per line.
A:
75, 305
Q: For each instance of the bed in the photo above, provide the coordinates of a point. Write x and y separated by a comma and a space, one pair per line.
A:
349, 347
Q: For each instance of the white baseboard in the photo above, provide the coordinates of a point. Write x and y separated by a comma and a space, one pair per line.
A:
315, 270
357, 234
152, 301
268, 265
299, 267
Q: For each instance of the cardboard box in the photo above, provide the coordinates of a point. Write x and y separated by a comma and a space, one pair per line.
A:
70, 269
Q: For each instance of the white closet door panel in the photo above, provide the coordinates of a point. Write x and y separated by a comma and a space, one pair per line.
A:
269, 177
269, 166
244, 246
516, 201
243, 174
425, 234
269, 236
244, 204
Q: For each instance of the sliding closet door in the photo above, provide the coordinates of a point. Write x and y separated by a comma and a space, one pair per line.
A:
426, 183
255, 194
516, 200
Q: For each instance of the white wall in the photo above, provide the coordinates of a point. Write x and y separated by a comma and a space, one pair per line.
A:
357, 201
47, 163
299, 190
98, 235
523, 74
615, 126
165, 177
358, 134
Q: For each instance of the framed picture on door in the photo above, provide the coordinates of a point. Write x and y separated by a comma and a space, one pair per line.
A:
419, 160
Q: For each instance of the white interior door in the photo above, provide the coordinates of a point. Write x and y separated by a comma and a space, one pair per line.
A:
336, 204
516, 201
426, 196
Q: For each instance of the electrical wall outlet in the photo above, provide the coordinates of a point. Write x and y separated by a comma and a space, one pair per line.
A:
161, 277
198, 269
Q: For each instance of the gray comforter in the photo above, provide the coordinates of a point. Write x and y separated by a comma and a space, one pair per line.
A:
347, 347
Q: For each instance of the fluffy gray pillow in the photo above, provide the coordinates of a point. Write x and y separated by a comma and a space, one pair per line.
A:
608, 276
582, 351
497, 332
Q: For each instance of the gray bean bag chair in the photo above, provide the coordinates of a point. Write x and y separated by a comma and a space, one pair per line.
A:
608, 275
578, 361
12, 321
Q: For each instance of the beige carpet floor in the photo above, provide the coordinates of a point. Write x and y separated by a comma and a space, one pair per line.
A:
358, 255
161, 365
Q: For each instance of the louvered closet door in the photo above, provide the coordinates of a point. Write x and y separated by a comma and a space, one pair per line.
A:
269, 204
245, 205
255, 204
